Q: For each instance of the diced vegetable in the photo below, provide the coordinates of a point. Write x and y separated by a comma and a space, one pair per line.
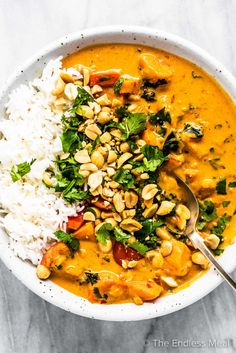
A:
105, 78
86, 232
121, 252
130, 85
75, 223
153, 68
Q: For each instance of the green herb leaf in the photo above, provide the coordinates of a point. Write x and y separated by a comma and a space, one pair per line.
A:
149, 95
70, 141
132, 123
160, 82
91, 277
153, 157
68, 239
218, 252
83, 97
141, 248
125, 178
76, 195
120, 235
118, 85
94, 145
232, 184
103, 233
221, 187
171, 144
98, 294
225, 203
19, 170
207, 214
160, 117
221, 225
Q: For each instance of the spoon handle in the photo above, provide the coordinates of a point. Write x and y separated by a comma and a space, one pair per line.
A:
198, 242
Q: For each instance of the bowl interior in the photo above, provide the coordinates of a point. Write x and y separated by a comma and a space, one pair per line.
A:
24, 271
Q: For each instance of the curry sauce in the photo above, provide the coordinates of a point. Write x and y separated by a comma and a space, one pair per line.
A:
201, 151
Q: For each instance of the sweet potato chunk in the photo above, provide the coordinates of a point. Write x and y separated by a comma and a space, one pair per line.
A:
86, 232
154, 69
130, 85
179, 261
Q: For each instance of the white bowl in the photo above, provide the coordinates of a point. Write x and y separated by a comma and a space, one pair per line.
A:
26, 272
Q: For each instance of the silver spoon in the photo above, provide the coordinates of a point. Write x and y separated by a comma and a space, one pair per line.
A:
195, 238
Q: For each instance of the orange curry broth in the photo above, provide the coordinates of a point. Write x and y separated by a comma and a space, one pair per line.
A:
217, 115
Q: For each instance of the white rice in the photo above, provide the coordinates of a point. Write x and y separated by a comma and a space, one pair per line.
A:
31, 212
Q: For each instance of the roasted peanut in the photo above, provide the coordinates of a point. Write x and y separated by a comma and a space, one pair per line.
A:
165, 208
149, 212
199, 259
166, 247
124, 147
149, 191
131, 199
105, 138
82, 157
128, 213
171, 282
42, 272
59, 87
118, 202
70, 91
123, 158
163, 233
92, 131
131, 225
97, 159
112, 157
212, 241
95, 179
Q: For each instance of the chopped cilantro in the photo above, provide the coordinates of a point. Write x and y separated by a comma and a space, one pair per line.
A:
232, 184
103, 233
139, 247
94, 144
83, 97
149, 95
131, 124
118, 85
221, 225
21, 169
120, 235
124, 177
70, 141
76, 195
153, 158
207, 214
98, 294
91, 277
146, 235
221, 187
68, 239
160, 117
171, 144
225, 203
218, 252
160, 82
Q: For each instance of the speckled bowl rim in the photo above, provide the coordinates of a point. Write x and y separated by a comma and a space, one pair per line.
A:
24, 271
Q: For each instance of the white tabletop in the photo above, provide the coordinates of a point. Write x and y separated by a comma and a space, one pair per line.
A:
27, 323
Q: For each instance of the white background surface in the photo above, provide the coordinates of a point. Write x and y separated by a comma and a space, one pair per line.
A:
27, 323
